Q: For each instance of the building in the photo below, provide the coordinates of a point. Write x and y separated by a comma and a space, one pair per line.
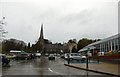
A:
40, 43
108, 44
46, 46
53, 48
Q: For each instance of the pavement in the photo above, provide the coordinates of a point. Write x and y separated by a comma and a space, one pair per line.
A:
101, 67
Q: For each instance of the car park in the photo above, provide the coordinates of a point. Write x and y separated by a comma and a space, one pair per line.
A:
51, 57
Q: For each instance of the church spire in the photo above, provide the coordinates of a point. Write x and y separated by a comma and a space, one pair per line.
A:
41, 33
41, 41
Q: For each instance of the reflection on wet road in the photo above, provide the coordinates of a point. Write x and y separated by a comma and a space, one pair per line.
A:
43, 66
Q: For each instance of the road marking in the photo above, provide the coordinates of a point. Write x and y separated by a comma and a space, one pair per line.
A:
54, 71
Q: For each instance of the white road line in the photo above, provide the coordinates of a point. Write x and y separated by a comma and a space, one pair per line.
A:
54, 71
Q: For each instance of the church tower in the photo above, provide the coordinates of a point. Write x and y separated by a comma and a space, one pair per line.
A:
41, 41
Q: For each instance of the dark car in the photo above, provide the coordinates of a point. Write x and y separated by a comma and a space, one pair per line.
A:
5, 61
51, 57
62, 56
23, 56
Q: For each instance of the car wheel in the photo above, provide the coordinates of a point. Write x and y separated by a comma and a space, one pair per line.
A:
83, 59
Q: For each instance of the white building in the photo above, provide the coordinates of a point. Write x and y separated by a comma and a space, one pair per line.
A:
108, 44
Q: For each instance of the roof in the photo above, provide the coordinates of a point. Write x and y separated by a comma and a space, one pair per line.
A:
91, 46
14, 51
86, 48
106, 39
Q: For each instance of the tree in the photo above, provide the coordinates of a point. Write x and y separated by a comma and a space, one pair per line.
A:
83, 42
28, 47
12, 44
72, 41
2, 32
74, 50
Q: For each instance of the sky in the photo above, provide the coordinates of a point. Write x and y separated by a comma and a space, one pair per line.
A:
62, 19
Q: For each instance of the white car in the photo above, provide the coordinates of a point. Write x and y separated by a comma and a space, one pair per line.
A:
101, 53
66, 56
77, 56
51, 57
38, 54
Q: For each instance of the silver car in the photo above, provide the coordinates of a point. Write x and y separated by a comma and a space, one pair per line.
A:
77, 56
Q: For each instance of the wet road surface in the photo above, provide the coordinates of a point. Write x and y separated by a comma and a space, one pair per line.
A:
43, 66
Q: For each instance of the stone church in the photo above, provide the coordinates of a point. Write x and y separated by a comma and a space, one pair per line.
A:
45, 46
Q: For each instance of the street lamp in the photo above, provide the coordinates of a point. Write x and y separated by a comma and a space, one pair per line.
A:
87, 57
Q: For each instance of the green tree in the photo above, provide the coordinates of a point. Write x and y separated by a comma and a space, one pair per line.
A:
28, 47
83, 42
72, 41
12, 44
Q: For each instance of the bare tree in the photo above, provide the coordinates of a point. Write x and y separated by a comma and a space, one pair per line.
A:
2, 32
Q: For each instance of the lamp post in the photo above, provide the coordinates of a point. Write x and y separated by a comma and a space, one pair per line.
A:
87, 58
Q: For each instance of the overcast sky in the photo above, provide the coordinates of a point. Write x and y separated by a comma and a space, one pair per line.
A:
62, 19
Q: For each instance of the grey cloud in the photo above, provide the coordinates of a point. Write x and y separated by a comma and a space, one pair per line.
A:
82, 17
24, 21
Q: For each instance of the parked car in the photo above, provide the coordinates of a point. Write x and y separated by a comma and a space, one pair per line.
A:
77, 56
51, 57
101, 53
37, 54
66, 55
23, 56
11, 56
5, 60
58, 55
31, 56
46, 54
62, 56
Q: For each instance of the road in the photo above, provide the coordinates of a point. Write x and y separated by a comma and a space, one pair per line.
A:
43, 66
